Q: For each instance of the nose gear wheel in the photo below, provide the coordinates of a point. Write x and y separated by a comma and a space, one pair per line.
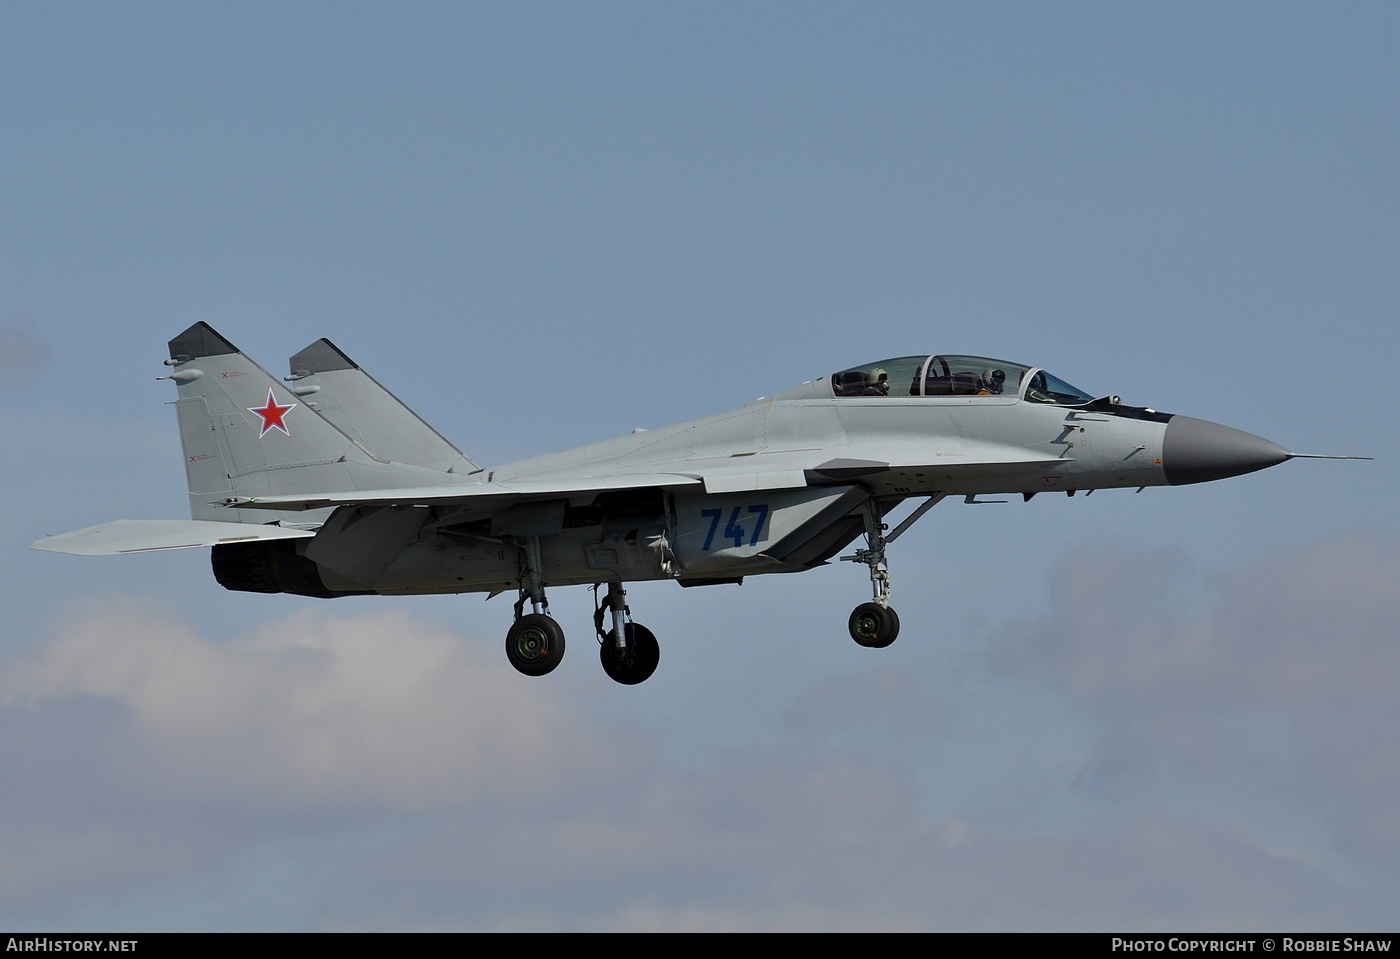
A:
874, 625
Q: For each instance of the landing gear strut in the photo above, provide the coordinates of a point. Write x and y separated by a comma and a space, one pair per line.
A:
535, 643
875, 624
629, 651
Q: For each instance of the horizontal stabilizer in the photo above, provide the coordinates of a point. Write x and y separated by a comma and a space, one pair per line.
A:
146, 535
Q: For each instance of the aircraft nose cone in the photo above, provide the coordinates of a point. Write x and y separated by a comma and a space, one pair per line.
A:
1197, 451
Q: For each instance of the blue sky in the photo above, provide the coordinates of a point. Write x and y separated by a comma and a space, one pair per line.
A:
546, 224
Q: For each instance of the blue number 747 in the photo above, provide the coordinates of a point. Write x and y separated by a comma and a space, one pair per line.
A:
732, 530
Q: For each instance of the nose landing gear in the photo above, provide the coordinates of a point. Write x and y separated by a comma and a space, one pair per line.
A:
876, 624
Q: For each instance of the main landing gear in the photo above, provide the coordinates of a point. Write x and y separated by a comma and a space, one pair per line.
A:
629, 651
535, 643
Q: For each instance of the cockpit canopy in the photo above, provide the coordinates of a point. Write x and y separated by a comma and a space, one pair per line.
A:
944, 374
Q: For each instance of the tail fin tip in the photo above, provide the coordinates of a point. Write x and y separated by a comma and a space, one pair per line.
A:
201, 339
321, 357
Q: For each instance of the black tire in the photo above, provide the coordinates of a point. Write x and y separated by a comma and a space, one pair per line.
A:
873, 625
891, 629
535, 644
643, 655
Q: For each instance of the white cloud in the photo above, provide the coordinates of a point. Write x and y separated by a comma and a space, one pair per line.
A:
1279, 680
381, 711
135, 748
23, 352
1307, 626
783, 871
410, 779
859, 705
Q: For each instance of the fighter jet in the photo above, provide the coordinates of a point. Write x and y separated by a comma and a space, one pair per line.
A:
329, 486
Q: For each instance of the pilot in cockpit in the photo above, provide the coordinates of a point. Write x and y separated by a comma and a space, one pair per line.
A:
994, 382
878, 383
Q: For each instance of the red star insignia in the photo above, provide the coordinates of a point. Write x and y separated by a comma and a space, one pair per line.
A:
274, 417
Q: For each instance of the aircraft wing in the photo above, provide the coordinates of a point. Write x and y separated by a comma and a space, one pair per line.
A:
147, 535
781, 470
720, 475
504, 493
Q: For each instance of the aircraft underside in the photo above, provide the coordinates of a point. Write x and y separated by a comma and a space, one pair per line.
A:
713, 540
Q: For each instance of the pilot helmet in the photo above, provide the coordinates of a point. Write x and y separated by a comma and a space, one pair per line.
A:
996, 380
880, 379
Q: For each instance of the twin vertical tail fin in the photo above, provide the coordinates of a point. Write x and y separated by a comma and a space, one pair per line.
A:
247, 435
335, 386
